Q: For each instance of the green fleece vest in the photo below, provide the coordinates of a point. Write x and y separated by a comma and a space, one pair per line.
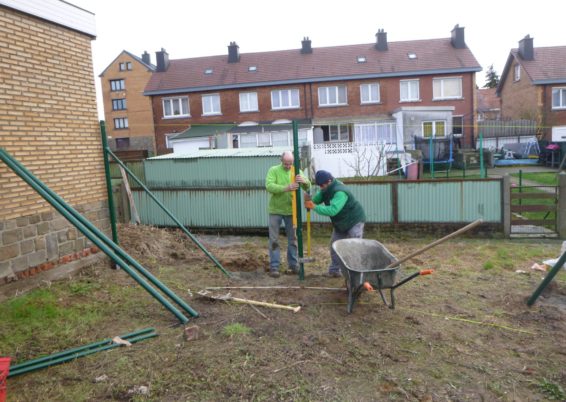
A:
351, 214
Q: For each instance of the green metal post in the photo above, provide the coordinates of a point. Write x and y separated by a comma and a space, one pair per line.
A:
43, 359
95, 237
551, 274
120, 252
169, 213
108, 183
431, 156
297, 164
71, 357
482, 167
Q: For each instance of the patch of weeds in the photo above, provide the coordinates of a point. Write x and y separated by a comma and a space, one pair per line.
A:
553, 391
82, 288
488, 265
236, 329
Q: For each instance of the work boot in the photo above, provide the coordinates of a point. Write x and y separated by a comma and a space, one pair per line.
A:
274, 274
292, 271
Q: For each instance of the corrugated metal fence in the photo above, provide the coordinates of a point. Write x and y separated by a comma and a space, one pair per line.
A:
226, 190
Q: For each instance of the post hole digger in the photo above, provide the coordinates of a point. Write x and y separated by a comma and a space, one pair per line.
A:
368, 265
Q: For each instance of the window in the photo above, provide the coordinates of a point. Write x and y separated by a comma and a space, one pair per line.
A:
434, 128
285, 99
332, 96
517, 72
362, 59
211, 104
559, 98
121, 123
252, 69
409, 90
118, 104
447, 88
458, 126
176, 107
208, 71
122, 143
117, 85
248, 102
369, 93
336, 133
375, 133
126, 66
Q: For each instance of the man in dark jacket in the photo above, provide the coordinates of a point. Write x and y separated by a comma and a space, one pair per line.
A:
347, 215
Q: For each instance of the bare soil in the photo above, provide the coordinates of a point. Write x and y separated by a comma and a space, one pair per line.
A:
463, 333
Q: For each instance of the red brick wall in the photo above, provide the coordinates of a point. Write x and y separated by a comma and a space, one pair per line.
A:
389, 95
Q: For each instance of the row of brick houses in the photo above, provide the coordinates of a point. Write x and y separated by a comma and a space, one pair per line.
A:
383, 91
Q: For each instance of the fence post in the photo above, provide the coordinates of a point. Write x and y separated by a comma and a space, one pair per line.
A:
561, 219
506, 205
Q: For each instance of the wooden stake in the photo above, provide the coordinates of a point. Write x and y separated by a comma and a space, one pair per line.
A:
229, 297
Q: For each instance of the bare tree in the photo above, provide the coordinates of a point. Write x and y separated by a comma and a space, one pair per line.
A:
368, 160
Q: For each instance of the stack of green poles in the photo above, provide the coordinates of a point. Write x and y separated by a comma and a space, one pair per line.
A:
110, 248
75, 353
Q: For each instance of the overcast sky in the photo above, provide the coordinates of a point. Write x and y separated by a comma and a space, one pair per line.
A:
205, 28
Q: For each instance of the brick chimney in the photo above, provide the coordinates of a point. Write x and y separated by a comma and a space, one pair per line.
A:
306, 45
146, 58
233, 53
526, 50
381, 43
457, 38
162, 60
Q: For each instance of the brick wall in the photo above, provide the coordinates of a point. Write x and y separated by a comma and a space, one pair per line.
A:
520, 99
309, 109
48, 121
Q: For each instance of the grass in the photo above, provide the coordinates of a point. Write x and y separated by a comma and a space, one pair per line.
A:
236, 329
544, 178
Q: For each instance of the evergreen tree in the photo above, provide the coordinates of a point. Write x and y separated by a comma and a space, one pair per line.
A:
491, 78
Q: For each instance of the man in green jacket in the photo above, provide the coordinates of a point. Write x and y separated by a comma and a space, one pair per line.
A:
347, 215
280, 186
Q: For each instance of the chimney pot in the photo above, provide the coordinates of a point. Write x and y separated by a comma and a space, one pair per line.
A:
162, 60
526, 50
457, 37
306, 47
233, 53
381, 43
146, 57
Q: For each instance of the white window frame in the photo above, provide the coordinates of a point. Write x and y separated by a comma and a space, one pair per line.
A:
285, 98
121, 123
460, 124
117, 85
375, 133
411, 97
441, 85
561, 91
434, 124
336, 95
119, 104
517, 72
368, 98
248, 102
211, 105
178, 103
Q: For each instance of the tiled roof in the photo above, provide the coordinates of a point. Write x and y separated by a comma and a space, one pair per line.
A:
433, 56
548, 66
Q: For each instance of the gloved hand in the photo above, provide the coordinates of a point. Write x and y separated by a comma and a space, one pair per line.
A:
309, 204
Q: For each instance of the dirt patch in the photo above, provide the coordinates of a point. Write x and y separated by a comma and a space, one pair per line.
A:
464, 333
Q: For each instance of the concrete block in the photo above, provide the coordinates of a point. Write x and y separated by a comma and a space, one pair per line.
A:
12, 236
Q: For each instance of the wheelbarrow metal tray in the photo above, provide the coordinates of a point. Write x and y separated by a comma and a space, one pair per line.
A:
364, 260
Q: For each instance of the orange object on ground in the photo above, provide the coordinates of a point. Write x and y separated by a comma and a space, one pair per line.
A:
368, 287
426, 271
4, 368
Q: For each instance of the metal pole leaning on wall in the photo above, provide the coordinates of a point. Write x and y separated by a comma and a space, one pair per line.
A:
108, 183
169, 213
120, 252
95, 236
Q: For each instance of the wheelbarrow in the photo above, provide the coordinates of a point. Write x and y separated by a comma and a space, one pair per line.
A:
367, 264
